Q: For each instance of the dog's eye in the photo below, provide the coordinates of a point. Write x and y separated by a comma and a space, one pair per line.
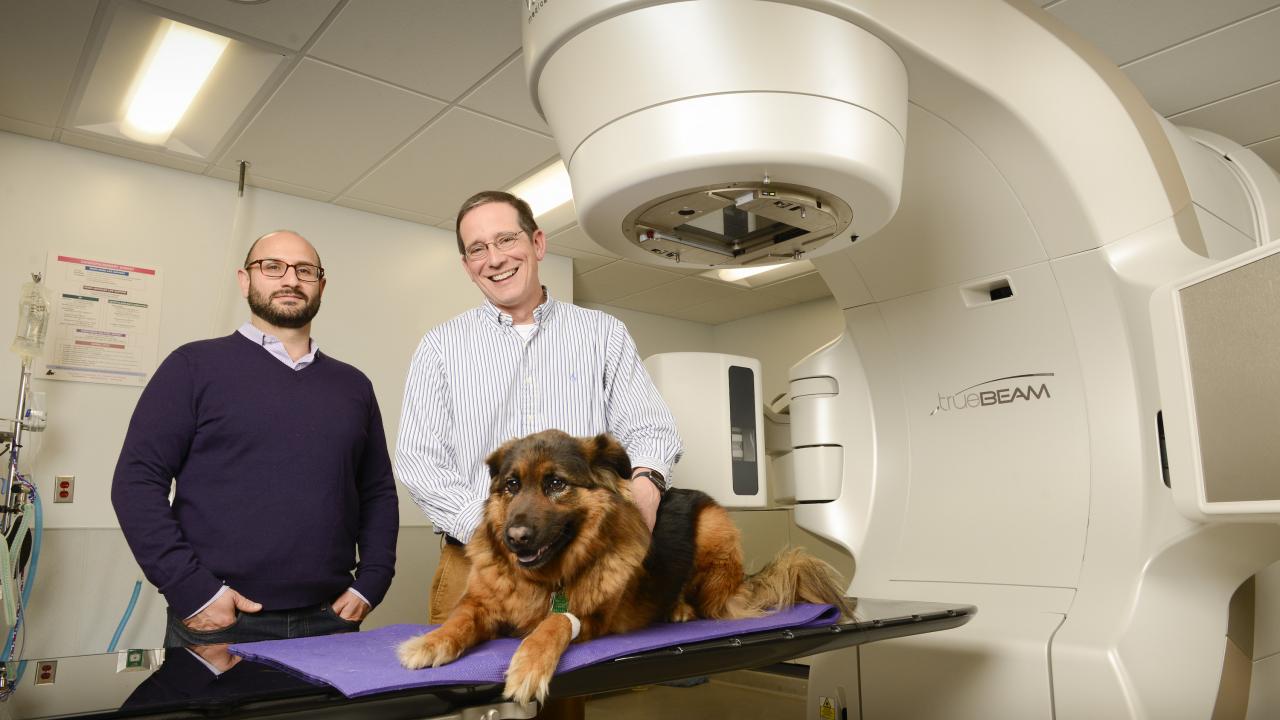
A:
555, 484
513, 485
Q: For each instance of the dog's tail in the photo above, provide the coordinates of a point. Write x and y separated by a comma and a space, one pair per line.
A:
791, 577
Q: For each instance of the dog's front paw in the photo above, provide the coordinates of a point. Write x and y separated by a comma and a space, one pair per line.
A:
432, 649
529, 675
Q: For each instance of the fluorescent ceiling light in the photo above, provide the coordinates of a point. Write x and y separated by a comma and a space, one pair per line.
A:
169, 81
742, 273
546, 189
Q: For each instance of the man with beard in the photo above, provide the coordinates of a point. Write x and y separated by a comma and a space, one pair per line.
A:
281, 472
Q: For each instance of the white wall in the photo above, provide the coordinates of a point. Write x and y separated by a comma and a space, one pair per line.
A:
389, 281
657, 334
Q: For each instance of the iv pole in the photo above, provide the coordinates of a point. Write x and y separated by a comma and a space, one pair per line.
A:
13, 501
33, 316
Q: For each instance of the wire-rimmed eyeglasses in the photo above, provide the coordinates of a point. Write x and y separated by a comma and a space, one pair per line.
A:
504, 242
273, 268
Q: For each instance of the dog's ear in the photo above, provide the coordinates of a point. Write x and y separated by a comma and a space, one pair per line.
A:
496, 458
603, 451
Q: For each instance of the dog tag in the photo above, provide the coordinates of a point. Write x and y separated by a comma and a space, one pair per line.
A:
559, 602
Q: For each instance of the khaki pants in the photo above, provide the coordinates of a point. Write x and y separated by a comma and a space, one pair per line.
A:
447, 586
449, 583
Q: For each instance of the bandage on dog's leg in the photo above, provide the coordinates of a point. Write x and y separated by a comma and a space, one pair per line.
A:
535, 661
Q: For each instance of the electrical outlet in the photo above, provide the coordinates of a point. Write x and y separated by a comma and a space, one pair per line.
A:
64, 488
46, 671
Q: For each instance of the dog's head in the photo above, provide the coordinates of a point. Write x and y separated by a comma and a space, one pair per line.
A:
547, 487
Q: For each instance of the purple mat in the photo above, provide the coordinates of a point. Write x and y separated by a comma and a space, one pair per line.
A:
365, 663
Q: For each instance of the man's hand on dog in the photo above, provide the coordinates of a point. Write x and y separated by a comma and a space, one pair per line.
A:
350, 607
646, 497
221, 612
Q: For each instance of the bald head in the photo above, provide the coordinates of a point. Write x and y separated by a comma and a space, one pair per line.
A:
276, 238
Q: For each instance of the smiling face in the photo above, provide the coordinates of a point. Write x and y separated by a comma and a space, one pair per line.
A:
283, 302
509, 278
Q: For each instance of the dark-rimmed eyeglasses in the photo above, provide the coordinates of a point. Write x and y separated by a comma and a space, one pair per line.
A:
273, 268
504, 242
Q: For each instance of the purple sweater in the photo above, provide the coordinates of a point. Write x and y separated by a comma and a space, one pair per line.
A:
281, 475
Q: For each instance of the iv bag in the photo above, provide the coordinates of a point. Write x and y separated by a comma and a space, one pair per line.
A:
33, 319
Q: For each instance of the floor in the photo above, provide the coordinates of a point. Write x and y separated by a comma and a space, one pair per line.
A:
744, 695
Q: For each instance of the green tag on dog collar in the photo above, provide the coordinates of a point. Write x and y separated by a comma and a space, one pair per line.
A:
559, 602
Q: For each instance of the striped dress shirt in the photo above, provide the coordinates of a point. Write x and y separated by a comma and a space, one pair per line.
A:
475, 383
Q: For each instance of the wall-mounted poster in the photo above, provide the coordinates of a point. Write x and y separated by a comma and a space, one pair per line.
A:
105, 322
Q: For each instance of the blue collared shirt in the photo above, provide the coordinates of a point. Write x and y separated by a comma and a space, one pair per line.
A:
475, 383
273, 345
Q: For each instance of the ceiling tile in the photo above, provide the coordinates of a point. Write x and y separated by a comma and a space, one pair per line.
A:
681, 294
751, 302
133, 152
575, 238
1218, 65
1269, 150
1132, 29
287, 23
40, 45
617, 280
583, 262
252, 180
459, 155
441, 48
390, 211
1246, 118
801, 289
505, 95
355, 120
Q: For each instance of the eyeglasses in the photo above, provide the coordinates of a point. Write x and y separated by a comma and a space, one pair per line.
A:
502, 243
272, 268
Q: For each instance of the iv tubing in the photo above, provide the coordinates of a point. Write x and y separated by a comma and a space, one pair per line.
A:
128, 612
35, 507
32, 508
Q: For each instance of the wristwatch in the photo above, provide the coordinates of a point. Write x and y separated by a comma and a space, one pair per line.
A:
655, 477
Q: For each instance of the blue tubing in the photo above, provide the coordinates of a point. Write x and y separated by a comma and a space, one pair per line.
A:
128, 612
36, 534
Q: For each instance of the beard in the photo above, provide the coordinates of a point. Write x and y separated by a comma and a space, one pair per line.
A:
285, 317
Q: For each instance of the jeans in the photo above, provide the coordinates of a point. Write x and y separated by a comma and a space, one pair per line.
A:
265, 625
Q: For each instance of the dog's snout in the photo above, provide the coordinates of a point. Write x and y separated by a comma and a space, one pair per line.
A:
519, 536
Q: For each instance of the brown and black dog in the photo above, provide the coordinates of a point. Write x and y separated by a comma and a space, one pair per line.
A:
562, 544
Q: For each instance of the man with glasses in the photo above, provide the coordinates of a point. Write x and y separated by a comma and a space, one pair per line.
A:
281, 472
519, 363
